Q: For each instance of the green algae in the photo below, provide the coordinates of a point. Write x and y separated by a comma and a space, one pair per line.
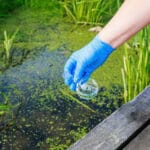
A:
41, 28
46, 118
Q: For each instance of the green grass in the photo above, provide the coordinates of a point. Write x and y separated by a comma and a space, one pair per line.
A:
90, 12
8, 42
5, 107
136, 68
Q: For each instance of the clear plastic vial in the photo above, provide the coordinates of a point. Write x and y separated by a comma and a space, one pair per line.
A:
87, 90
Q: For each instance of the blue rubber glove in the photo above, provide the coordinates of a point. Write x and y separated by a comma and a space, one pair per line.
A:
83, 62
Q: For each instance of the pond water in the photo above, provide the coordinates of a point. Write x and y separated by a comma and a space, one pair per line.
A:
42, 112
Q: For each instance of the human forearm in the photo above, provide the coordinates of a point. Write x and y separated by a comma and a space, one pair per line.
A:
132, 16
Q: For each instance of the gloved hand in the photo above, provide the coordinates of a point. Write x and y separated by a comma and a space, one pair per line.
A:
83, 62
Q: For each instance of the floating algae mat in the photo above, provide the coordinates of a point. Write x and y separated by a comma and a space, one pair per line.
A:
29, 89
37, 114
39, 111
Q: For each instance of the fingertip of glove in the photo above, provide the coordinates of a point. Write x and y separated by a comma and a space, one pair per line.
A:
84, 81
68, 82
75, 80
73, 87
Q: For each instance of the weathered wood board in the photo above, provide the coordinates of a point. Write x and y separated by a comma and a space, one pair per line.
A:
141, 142
120, 127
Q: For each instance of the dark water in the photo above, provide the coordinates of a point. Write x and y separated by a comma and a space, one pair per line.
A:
41, 115
27, 87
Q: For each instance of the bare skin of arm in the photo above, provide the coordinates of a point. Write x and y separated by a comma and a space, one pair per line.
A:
132, 16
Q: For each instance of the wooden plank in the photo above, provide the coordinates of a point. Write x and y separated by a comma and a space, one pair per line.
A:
141, 142
119, 127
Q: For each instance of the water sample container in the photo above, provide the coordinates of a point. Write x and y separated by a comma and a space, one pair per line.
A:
87, 90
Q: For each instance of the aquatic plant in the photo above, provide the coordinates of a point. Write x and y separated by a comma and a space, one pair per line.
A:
4, 107
8, 42
90, 12
136, 69
77, 101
